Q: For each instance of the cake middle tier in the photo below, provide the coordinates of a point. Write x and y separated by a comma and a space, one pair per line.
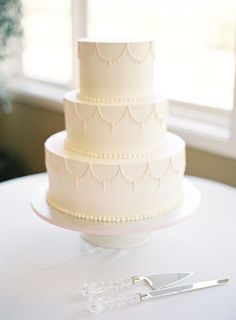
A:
115, 190
114, 130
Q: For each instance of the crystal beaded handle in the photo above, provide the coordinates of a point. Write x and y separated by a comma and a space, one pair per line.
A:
96, 305
90, 289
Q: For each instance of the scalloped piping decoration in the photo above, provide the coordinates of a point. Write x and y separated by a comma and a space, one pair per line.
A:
127, 114
116, 100
125, 52
102, 155
132, 218
119, 175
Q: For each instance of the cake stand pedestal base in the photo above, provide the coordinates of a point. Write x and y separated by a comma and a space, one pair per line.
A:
111, 234
117, 241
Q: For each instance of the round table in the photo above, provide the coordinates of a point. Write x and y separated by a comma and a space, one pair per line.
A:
42, 267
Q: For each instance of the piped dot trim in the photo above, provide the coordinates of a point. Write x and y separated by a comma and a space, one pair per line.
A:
122, 219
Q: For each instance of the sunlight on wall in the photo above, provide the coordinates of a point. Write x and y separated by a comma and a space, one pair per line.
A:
47, 53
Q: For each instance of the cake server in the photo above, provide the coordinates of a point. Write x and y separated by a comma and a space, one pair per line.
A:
119, 301
155, 281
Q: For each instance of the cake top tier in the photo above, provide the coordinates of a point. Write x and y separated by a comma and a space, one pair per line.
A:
115, 70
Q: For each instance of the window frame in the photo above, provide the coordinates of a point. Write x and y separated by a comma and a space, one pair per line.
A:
195, 123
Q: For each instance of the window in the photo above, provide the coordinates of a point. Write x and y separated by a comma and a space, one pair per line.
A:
195, 48
194, 43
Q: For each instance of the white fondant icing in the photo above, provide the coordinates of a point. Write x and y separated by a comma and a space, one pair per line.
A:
115, 163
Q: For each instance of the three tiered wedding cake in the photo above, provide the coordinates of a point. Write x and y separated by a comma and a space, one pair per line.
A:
115, 161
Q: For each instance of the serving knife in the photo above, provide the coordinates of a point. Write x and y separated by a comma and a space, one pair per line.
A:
154, 281
118, 301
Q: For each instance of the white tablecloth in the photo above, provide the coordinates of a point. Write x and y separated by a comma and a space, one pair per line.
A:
42, 267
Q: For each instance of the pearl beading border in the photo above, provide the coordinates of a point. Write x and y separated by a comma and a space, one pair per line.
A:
110, 156
126, 52
116, 100
131, 218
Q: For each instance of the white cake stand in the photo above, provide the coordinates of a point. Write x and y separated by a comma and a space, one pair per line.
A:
111, 234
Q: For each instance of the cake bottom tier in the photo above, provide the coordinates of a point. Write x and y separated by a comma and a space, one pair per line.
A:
115, 190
